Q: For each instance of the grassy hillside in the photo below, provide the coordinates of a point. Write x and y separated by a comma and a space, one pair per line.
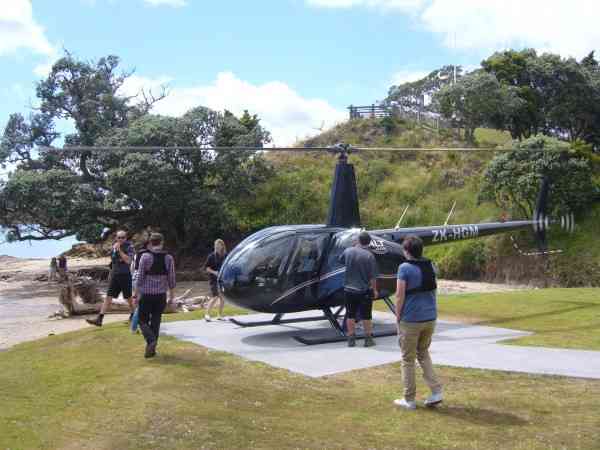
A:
428, 183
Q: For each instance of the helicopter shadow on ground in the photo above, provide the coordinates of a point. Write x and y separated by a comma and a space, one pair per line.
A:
283, 336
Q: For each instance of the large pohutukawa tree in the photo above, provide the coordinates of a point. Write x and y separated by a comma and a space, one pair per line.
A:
186, 194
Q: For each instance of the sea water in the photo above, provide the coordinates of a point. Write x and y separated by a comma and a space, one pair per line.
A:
37, 249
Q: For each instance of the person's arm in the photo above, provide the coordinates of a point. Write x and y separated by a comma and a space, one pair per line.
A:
126, 257
342, 258
171, 277
374, 288
209, 263
141, 276
400, 296
374, 275
400, 293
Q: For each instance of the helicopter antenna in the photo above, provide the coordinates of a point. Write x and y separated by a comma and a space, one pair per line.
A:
401, 217
320, 129
450, 213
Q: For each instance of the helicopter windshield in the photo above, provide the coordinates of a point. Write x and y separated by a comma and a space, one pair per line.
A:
259, 268
262, 271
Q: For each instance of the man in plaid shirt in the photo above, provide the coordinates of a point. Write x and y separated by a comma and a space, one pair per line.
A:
156, 279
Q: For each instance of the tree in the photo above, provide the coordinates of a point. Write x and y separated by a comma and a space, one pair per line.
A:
513, 179
185, 194
478, 99
412, 94
512, 68
560, 97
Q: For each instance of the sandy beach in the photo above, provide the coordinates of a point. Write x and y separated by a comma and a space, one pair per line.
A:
26, 304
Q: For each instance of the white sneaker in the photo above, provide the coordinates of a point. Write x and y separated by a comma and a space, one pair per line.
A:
402, 403
207, 317
433, 400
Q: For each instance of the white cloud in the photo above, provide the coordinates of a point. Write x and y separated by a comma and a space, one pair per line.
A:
405, 76
404, 5
566, 27
19, 30
173, 3
284, 112
43, 70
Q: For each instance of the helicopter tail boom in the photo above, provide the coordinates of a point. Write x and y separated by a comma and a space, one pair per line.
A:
540, 223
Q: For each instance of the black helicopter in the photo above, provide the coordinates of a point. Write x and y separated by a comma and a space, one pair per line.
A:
293, 268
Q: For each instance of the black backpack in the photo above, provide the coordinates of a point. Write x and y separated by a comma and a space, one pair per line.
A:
159, 264
138, 256
428, 281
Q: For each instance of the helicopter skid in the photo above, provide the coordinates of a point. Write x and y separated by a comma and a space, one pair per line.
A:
384, 331
276, 321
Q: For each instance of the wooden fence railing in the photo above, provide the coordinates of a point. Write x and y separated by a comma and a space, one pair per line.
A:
379, 111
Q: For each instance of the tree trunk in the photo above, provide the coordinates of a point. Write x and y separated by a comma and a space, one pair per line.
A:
82, 296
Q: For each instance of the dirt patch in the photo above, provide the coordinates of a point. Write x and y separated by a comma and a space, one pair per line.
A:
446, 287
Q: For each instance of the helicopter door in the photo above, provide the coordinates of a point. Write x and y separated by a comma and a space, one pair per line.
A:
305, 263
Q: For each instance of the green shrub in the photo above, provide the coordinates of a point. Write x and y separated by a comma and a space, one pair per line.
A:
465, 260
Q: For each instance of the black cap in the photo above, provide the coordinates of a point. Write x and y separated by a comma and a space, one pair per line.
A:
364, 238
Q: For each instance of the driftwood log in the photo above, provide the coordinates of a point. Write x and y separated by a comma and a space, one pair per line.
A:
81, 295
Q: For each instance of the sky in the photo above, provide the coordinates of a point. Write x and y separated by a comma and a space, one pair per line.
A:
298, 64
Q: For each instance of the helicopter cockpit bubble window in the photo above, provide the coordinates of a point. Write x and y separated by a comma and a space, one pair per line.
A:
262, 263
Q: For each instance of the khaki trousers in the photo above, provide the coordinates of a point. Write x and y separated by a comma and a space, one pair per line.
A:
414, 339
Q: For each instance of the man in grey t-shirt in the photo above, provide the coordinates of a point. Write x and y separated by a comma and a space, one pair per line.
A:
360, 287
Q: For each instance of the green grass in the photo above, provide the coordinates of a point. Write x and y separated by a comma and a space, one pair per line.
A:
566, 318
92, 389
489, 137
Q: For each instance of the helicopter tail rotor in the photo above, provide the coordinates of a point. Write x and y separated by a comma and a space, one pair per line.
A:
542, 222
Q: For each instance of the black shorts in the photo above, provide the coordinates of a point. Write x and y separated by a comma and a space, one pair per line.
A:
214, 289
119, 282
359, 302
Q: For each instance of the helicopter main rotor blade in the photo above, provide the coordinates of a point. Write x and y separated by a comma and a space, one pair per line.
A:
152, 149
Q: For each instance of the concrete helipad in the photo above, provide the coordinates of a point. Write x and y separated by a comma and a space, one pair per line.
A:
454, 344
